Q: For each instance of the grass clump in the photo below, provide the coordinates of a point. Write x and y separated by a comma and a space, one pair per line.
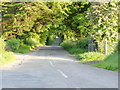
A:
110, 63
91, 56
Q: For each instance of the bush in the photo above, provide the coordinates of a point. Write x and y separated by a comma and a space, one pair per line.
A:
23, 49
67, 44
43, 38
82, 43
32, 42
72, 48
76, 50
13, 44
50, 40
110, 63
91, 56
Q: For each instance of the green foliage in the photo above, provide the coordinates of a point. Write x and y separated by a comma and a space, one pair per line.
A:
103, 18
76, 50
112, 47
21, 19
43, 18
118, 47
110, 63
72, 48
43, 38
34, 22
5, 57
50, 40
91, 56
82, 43
68, 44
2, 45
23, 49
32, 42
13, 43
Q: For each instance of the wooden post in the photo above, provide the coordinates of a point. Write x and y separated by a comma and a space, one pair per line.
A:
89, 45
105, 46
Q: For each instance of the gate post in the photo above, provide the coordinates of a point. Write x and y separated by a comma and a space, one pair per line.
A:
105, 46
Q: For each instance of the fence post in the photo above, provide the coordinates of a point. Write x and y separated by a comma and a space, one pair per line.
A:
105, 46
89, 45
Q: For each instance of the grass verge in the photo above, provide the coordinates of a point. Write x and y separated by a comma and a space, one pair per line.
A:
91, 56
110, 62
7, 58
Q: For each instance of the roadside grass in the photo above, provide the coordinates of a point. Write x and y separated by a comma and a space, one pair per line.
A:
91, 56
110, 62
101, 60
7, 58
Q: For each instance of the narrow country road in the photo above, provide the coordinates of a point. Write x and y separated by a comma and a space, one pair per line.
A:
53, 67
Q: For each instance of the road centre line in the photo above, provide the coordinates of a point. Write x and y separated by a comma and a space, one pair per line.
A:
62, 73
51, 64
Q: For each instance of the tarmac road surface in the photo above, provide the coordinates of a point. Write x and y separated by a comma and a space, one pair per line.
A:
53, 67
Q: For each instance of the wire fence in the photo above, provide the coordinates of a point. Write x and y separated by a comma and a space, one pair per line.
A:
105, 46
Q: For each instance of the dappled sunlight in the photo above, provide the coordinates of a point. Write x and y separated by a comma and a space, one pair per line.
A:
35, 57
52, 58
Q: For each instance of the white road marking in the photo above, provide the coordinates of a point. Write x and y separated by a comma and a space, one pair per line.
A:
63, 74
51, 64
